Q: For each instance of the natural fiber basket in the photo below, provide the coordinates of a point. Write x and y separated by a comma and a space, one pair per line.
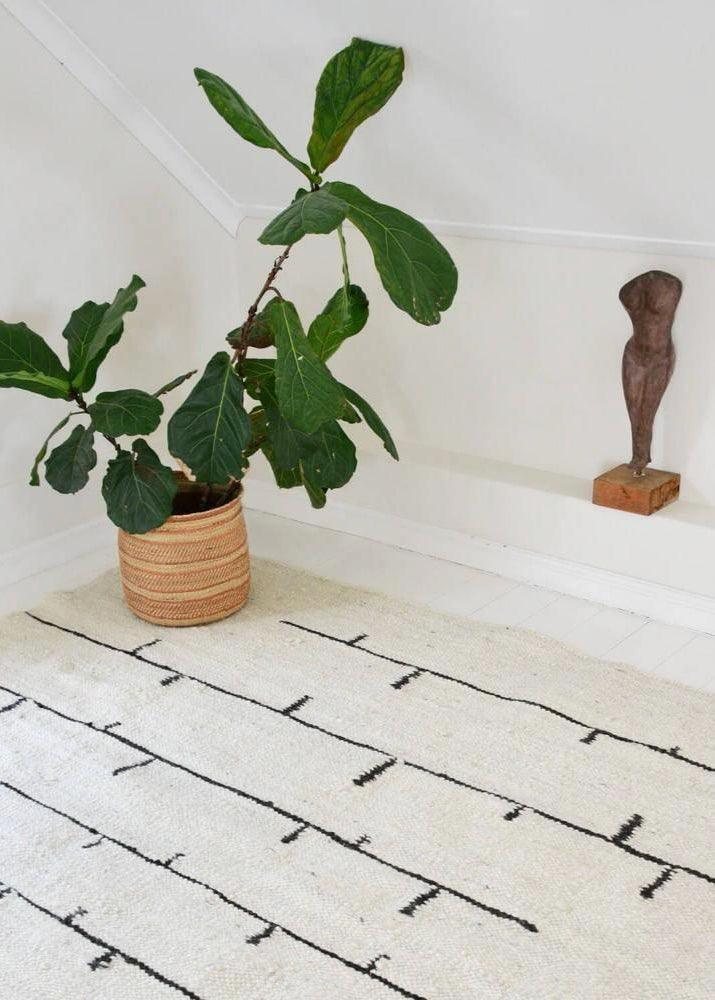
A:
192, 570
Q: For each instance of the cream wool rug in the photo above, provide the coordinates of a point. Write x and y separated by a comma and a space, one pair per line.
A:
333, 796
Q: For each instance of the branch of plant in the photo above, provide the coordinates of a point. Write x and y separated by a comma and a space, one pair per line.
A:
240, 353
77, 397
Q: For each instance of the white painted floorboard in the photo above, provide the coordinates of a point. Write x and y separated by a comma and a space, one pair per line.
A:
664, 650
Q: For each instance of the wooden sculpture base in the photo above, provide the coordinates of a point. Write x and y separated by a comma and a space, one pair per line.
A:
645, 494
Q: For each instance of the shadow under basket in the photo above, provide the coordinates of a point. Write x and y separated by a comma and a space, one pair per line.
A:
192, 570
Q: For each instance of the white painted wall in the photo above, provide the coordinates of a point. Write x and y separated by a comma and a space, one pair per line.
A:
512, 115
83, 207
551, 114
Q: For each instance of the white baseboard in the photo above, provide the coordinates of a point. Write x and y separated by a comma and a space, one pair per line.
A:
654, 600
60, 562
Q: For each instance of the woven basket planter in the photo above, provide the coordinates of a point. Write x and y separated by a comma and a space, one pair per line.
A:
192, 570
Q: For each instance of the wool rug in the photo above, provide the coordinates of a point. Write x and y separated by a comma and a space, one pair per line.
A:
334, 796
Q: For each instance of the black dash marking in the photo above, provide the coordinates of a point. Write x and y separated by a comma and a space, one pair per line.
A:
71, 917
170, 680
102, 961
144, 645
513, 813
6, 891
130, 767
294, 834
206, 684
93, 843
406, 678
371, 966
111, 725
297, 704
261, 935
129, 959
373, 772
9, 708
174, 857
364, 839
628, 829
409, 910
286, 814
591, 736
512, 699
665, 876
357, 639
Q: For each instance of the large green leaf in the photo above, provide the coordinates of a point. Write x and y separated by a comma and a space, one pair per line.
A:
127, 411
211, 429
416, 270
316, 494
243, 119
344, 315
70, 463
373, 421
34, 473
138, 490
354, 85
328, 458
288, 442
286, 479
317, 212
93, 330
27, 362
308, 395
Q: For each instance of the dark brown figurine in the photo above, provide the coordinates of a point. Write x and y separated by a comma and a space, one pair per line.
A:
648, 361
649, 357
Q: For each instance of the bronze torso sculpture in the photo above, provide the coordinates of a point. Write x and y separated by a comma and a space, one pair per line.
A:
649, 357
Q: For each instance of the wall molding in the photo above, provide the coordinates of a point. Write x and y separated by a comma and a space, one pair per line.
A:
79, 60
618, 590
62, 42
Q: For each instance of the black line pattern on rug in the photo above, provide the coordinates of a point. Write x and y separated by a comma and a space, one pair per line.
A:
673, 752
373, 773
621, 844
107, 949
14, 704
207, 684
271, 925
287, 814
424, 897
665, 876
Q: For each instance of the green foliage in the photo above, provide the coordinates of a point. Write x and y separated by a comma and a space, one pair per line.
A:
308, 394
373, 421
34, 472
127, 411
138, 490
301, 411
417, 272
354, 85
27, 362
70, 463
243, 119
93, 330
175, 383
344, 315
314, 212
211, 429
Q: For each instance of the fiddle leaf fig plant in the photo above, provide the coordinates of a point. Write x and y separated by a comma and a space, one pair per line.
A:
300, 408
285, 403
137, 488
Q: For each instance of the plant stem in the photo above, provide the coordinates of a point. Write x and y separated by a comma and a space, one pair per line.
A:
344, 255
240, 353
85, 409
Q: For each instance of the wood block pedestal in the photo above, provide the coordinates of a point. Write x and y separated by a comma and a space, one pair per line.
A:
645, 494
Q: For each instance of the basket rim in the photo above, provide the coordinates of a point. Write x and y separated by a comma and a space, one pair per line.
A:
193, 518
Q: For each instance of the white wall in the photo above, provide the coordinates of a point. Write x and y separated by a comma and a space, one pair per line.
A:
83, 207
515, 114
